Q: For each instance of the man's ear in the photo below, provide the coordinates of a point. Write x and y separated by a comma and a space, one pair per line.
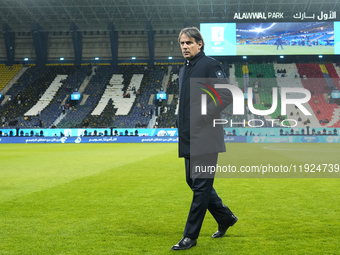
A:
200, 44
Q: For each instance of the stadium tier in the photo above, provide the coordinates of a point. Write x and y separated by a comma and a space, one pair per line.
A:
125, 96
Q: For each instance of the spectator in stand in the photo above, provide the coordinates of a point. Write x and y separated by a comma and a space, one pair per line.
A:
318, 112
89, 72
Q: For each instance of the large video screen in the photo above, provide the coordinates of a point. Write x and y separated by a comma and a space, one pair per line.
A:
288, 38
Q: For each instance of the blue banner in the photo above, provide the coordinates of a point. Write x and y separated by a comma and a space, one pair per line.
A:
88, 139
259, 131
58, 132
159, 135
294, 139
235, 139
167, 139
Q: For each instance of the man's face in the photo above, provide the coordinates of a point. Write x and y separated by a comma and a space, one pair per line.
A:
189, 47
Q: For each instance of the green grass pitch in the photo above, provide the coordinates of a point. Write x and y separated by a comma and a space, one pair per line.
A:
133, 199
287, 50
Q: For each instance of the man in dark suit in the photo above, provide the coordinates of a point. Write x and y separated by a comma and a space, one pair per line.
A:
199, 141
279, 43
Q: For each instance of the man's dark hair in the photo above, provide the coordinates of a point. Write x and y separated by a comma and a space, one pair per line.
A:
192, 32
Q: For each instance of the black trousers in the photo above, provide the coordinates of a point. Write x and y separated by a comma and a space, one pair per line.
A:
204, 197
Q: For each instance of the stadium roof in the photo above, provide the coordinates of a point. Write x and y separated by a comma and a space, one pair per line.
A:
57, 15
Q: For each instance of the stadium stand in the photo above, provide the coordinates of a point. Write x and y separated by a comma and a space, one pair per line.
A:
292, 79
95, 88
169, 110
47, 96
39, 98
316, 83
139, 113
45, 117
7, 73
260, 78
26, 92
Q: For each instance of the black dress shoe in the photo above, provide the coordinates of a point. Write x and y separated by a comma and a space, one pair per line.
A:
222, 228
184, 244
